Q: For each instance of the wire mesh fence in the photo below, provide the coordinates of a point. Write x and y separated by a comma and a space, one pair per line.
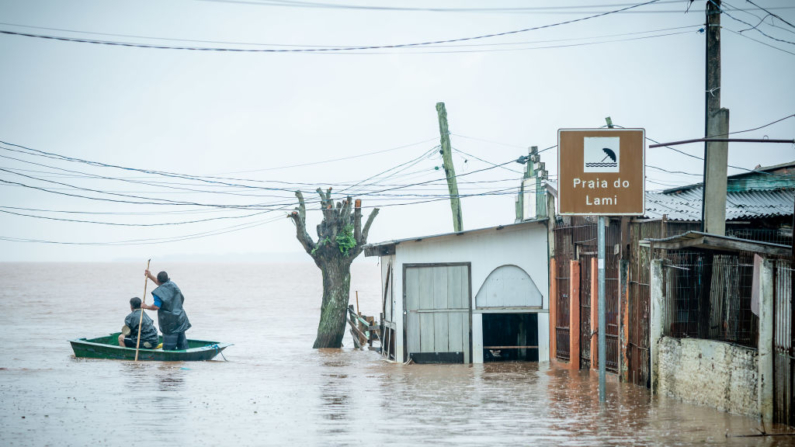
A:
783, 360
775, 236
708, 296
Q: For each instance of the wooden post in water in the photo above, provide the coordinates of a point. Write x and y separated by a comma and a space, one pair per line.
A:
141, 320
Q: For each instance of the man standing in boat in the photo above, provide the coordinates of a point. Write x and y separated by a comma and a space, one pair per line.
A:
129, 333
171, 317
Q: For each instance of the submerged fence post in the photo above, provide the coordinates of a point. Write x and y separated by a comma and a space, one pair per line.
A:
656, 319
765, 348
602, 309
553, 309
594, 311
623, 308
574, 315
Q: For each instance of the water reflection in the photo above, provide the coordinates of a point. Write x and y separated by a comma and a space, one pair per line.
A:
335, 388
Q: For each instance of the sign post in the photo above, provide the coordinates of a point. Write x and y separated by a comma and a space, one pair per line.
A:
601, 172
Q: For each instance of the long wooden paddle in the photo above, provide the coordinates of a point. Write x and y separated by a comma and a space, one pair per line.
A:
141, 320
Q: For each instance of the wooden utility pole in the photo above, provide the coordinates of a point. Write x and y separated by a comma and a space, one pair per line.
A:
716, 124
449, 169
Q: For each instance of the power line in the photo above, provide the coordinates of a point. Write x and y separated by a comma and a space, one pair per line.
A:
150, 201
753, 27
405, 165
319, 5
758, 41
332, 160
323, 49
673, 172
764, 125
343, 46
579, 9
227, 229
117, 224
771, 14
486, 161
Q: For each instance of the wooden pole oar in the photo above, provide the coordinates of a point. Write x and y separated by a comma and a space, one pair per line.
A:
141, 320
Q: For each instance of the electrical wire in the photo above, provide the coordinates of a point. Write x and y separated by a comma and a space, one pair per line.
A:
580, 9
117, 224
333, 160
320, 5
174, 39
771, 14
324, 49
758, 41
486, 161
746, 23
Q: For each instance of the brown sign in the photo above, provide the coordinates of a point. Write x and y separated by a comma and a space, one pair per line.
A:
601, 171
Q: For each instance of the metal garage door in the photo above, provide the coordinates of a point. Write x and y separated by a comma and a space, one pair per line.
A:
437, 303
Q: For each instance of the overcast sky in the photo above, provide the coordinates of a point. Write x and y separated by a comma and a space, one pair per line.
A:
250, 115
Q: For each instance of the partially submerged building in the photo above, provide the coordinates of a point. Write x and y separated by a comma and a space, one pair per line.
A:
708, 283
467, 297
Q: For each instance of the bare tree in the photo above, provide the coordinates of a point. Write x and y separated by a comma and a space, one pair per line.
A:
341, 239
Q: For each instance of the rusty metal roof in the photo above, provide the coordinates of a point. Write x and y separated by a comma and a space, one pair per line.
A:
685, 205
706, 241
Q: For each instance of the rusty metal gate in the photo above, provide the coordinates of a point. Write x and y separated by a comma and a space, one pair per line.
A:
783, 360
585, 309
562, 278
578, 241
612, 263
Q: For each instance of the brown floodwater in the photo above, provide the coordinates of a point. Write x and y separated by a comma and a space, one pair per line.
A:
274, 389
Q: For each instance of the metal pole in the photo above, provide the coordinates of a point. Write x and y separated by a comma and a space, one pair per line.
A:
602, 320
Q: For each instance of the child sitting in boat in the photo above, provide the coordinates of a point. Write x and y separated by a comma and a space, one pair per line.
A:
129, 333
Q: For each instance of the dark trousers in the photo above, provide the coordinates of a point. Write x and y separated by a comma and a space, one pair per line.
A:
145, 344
174, 342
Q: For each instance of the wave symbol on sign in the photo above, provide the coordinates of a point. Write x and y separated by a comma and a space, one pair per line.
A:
610, 154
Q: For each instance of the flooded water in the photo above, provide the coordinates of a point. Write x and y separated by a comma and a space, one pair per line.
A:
274, 389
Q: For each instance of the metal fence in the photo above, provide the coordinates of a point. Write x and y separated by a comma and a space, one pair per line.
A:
638, 306
783, 360
708, 296
775, 236
578, 241
562, 319
585, 310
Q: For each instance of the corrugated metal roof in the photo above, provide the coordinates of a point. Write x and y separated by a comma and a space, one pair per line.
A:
686, 204
697, 239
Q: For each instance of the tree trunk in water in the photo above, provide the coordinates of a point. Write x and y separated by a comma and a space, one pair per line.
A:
336, 293
340, 239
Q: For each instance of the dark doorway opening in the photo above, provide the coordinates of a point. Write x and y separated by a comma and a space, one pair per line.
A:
510, 337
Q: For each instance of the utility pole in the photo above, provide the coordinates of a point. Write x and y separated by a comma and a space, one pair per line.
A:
449, 169
716, 124
601, 306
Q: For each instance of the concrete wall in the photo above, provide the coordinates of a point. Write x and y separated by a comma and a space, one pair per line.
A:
524, 246
711, 373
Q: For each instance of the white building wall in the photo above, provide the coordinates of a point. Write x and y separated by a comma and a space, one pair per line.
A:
385, 263
524, 246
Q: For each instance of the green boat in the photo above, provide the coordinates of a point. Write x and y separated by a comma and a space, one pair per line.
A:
108, 348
